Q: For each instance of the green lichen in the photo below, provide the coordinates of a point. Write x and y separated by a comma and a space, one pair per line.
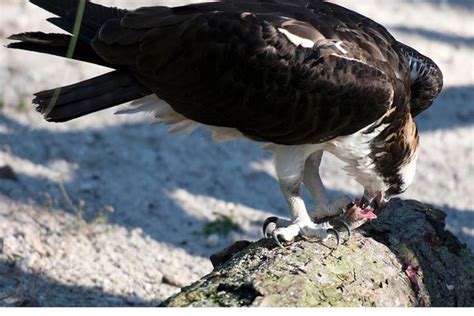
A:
223, 225
23, 105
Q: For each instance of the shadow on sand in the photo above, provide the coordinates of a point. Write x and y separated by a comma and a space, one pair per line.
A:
25, 289
141, 170
138, 168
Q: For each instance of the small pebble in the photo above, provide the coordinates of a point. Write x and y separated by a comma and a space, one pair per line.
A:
212, 240
172, 279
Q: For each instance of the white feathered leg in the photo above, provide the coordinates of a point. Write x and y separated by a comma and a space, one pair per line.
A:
312, 180
289, 163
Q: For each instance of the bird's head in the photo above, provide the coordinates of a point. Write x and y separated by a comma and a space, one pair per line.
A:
394, 153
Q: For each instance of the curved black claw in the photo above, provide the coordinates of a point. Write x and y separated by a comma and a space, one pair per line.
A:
277, 240
347, 227
269, 225
335, 233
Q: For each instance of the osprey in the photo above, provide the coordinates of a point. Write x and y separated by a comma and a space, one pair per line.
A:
304, 77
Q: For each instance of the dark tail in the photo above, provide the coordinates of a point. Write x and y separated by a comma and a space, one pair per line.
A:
94, 16
89, 96
66, 103
56, 44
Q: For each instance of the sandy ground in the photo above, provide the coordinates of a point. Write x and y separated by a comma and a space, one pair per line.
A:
110, 210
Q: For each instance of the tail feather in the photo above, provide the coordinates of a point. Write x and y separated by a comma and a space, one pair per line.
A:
55, 44
73, 101
105, 91
94, 16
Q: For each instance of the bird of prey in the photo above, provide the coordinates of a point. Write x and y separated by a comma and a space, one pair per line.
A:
303, 77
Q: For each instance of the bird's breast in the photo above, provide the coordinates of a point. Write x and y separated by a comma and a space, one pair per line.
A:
355, 150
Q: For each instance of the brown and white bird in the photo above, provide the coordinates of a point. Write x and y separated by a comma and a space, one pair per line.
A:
304, 77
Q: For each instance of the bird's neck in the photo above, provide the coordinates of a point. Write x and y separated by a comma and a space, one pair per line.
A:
394, 150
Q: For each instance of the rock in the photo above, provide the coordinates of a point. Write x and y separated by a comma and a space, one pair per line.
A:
6, 172
225, 255
404, 258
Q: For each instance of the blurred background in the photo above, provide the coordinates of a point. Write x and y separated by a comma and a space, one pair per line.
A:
111, 210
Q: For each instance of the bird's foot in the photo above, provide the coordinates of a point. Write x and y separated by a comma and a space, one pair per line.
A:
333, 212
284, 231
333, 208
346, 213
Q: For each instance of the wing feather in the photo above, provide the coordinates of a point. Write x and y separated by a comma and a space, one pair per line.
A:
228, 65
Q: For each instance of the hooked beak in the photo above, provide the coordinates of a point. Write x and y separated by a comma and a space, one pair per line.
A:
375, 200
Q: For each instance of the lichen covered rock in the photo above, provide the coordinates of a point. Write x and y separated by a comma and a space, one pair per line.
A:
405, 258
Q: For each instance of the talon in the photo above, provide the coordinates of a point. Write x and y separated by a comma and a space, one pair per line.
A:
277, 240
349, 206
335, 233
347, 227
269, 225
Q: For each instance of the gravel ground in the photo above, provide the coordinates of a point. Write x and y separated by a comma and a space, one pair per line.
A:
109, 210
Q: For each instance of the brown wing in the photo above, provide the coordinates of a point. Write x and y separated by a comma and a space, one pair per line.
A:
229, 64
